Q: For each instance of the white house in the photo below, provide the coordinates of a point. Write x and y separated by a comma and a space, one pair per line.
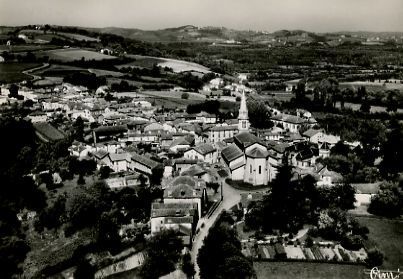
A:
204, 152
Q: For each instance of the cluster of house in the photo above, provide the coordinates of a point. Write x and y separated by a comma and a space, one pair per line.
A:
133, 139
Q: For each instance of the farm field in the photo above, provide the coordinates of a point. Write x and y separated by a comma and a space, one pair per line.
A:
372, 86
388, 235
27, 47
58, 71
13, 72
292, 270
40, 34
99, 72
72, 54
141, 62
179, 66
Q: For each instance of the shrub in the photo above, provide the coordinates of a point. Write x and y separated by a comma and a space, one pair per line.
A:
375, 258
185, 96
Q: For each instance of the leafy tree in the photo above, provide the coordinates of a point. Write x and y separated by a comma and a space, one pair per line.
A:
84, 270
392, 149
221, 257
104, 172
13, 250
163, 253
388, 202
185, 95
187, 266
259, 115
13, 91
156, 176
374, 258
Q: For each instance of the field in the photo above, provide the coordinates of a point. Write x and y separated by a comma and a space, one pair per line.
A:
372, 86
388, 235
99, 72
179, 66
141, 62
72, 54
58, 71
292, 270
40, 34
13, 72
27, 47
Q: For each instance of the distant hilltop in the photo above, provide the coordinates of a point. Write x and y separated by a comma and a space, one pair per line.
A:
223, 35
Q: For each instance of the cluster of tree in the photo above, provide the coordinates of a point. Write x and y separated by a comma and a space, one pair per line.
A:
388, 202
259, 114
209, 106
89, 80
18, 192
295, 202
163, 254
221, 256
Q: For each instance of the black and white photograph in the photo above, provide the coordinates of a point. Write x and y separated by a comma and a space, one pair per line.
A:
201, 139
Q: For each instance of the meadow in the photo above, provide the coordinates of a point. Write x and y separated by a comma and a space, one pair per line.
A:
387, 234
292, 270
74, 54
13, 72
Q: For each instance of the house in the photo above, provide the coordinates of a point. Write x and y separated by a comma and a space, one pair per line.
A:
118, 162
181, 217
117, 183
319, 136
289, 122
142, 164
180, 144
205, 117
38, 116
327, 177
188, 190
182, 164
204, 152
220, 132
47, 133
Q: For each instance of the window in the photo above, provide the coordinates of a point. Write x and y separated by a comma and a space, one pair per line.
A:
243, 124
250, 168
260, 169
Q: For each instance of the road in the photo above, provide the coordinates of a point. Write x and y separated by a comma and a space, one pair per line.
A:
231, 197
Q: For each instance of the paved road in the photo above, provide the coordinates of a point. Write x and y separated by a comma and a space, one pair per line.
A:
231, 197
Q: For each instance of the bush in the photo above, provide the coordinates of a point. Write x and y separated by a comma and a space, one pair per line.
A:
352, 242
185, 96
375, 258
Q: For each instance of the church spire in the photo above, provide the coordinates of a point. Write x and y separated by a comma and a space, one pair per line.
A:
243, 118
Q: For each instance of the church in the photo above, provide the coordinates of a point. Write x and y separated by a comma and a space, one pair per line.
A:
247, 157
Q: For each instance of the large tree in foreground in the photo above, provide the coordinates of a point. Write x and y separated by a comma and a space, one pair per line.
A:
163, 253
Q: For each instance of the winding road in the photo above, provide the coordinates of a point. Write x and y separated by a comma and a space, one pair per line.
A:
231, 197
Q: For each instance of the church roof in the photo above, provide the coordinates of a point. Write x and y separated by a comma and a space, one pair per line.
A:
246, 139
231, 152
257, 153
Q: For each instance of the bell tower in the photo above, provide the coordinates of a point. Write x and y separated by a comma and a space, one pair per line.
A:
243, 118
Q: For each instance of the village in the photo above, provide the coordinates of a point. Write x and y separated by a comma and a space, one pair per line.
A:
206, 166
200, 152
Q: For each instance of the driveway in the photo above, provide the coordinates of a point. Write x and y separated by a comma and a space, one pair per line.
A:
231, 197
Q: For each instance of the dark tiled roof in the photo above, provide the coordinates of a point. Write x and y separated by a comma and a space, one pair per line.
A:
204, 148
246, 139
47, 132
257, 153
144, 160
231, 152
225, 128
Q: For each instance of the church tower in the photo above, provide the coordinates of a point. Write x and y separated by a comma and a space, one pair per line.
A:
243, 118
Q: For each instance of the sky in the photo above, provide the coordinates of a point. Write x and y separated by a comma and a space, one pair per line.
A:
268, 15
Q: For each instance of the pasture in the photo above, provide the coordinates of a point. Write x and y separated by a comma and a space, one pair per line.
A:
74, 54
141, 62
388, 235
13, 72
179, 66
292, 270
